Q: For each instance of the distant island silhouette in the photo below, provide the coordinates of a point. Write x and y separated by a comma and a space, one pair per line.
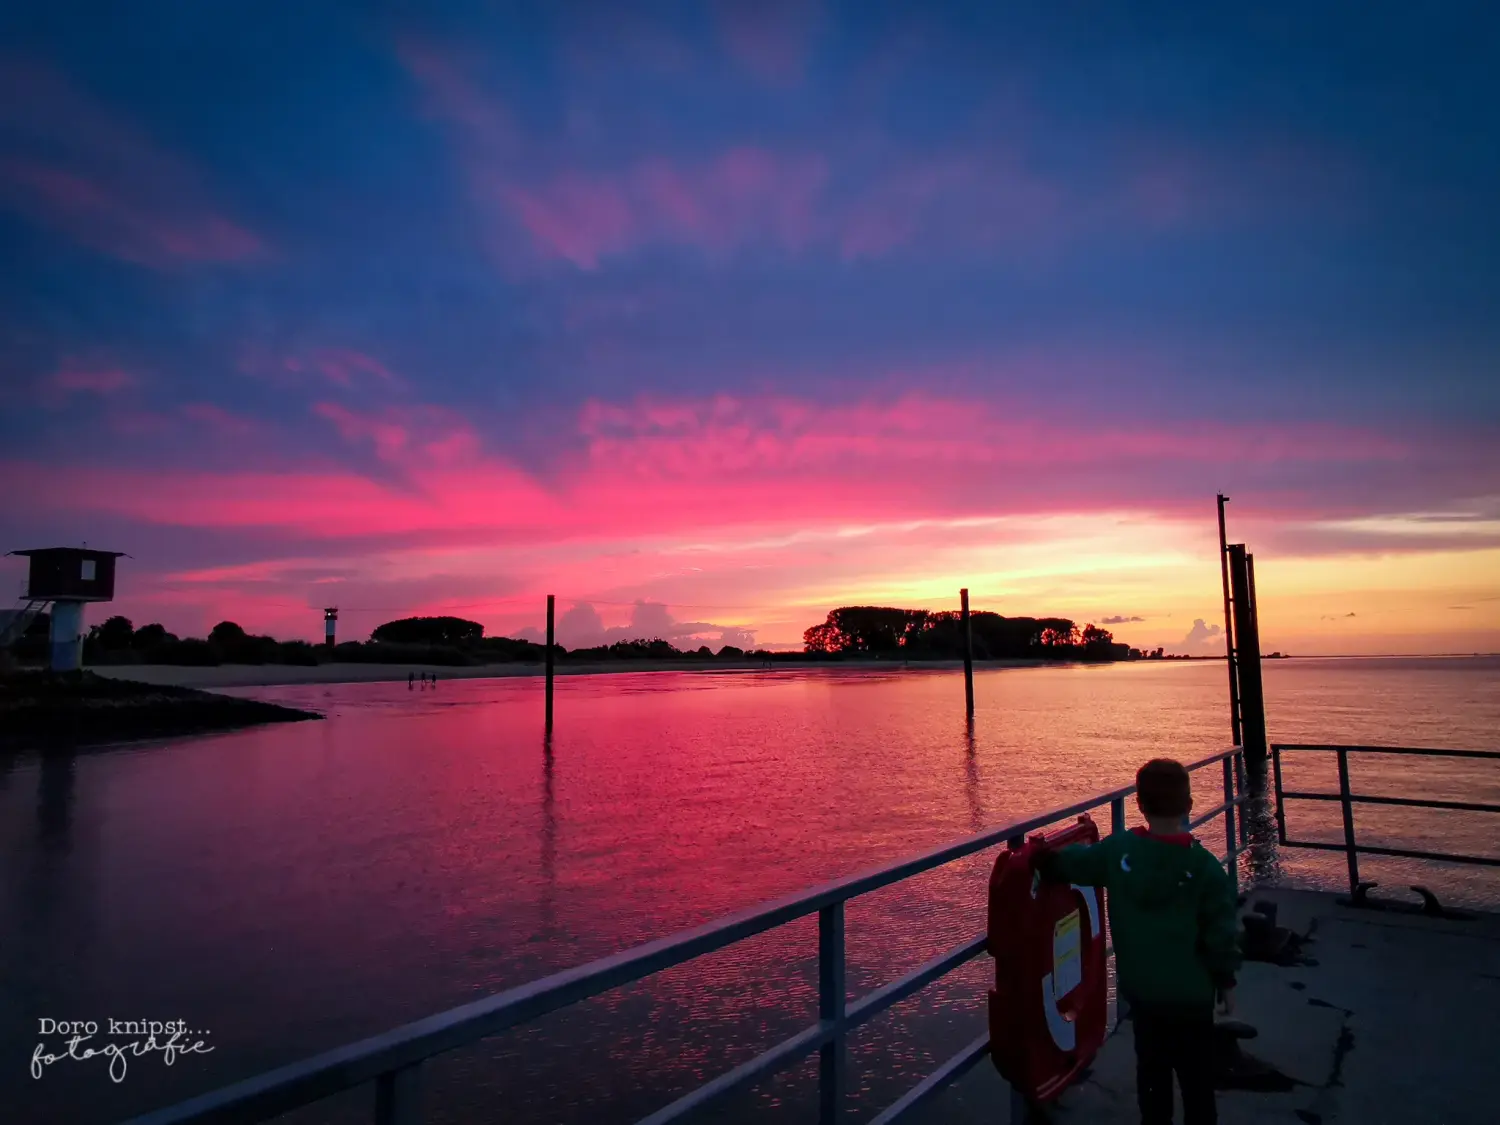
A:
849, 633
919, 634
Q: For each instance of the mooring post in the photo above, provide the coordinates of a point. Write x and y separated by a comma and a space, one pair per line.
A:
963, 601
1234, 687
1247, 659
551, 609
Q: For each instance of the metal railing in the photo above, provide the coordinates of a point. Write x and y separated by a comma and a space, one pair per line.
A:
1347, 799
393, 1061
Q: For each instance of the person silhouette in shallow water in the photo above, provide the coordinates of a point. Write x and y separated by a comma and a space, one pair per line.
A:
1174, 920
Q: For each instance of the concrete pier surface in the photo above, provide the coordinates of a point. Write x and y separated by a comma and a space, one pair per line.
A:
1392, 1017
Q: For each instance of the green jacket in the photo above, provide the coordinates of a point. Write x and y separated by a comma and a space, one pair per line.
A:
1172, 913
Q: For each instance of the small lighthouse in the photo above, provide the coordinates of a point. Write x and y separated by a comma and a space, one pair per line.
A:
69, 578
330, 620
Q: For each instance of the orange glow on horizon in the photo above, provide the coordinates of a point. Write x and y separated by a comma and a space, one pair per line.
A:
758, 516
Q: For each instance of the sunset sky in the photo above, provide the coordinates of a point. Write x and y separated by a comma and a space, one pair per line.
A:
747, 311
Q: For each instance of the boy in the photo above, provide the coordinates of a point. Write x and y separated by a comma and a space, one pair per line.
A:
1174, 922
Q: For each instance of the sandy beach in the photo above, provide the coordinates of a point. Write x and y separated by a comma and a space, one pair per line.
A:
267, 675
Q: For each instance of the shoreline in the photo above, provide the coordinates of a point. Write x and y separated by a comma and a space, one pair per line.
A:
286, 675
75, 711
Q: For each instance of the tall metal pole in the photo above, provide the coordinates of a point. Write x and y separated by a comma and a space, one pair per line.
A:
551, 608
963, 601
1234, 682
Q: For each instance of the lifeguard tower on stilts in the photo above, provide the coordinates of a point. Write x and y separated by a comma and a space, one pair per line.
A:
67, 579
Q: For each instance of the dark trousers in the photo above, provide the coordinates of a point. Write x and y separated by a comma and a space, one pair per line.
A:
1174, 1039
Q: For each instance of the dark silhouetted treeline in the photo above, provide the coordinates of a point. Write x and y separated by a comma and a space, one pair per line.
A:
851, 632
452, 631
917, 634
444, 641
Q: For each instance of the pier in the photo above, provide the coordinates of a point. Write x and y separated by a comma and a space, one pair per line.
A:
1394, 1017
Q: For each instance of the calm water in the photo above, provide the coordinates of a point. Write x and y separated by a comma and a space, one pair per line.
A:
292, 888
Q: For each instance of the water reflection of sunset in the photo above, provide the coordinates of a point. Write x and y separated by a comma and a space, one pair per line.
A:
297, 887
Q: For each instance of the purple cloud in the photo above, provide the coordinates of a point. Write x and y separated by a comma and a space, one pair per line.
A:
86, 172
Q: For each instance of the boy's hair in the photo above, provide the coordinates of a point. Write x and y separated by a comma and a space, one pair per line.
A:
1164, 788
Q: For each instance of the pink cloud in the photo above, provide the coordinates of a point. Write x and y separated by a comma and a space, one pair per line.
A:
689, 468
621, 37
722, 502
1166, 184
411, 436
218, 421
741, 195
101, 381
574, 219
210, 425
389, 438
140, 423
340, 366
957, 199
770, 38
102, 182
782, 435
861, 196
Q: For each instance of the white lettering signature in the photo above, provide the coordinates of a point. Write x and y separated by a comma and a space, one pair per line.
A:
116, 1052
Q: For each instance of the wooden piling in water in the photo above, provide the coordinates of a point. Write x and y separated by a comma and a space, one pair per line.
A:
1234, 688
1247, 656
963, 601
551, 609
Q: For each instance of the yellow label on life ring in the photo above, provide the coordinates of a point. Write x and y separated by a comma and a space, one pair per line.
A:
1067, 955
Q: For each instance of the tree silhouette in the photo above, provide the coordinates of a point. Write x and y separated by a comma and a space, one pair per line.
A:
919, 634
1094, 637
226, 634
115, 634
820, 638
428, 631
149, 636
866, 629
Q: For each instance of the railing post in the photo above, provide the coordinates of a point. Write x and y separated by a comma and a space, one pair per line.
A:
398, 1096
1242, 788
1348, 820
1280, 803
1117, 816
832, 999
1229, 818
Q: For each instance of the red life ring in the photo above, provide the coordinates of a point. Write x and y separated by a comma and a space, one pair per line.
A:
1049, 1006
